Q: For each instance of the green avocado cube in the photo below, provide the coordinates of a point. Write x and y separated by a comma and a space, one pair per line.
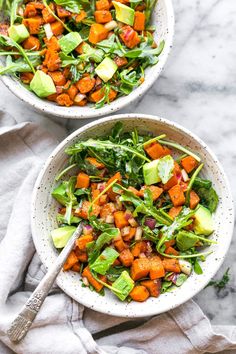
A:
62, 235
106, 69
123, 285
42, 84
151, 172
124, 13
18, 33
186, 240
69, 42
203, 221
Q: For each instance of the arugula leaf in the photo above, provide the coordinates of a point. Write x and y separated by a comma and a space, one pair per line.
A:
208, 198
103, 145
165, 168
200, 182
13, 13
142, 207
19, 65
70, 5
94, 247
114, 272
7, 41
197, 268
104, 260
181, 278
150, 4
168, 232
166, 286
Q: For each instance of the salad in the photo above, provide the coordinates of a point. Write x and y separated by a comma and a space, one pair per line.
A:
78, 51
146, 213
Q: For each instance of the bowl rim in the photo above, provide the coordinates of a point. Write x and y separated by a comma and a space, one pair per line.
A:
48, 107
190, 294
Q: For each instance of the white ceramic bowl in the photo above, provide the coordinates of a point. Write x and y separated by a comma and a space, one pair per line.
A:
44, 210
163, 18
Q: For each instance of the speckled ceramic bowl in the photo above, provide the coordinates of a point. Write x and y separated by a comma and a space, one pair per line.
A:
44, 210
163, 18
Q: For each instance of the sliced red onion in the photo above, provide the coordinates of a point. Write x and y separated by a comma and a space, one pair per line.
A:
87, 229
138, 234
79, 97
85, 281
150, 222
101, 186
119, 205
128, 215
142, 255
173, 277
109, 219
133, 222
125, 231
48, 30
184, 175
148, 248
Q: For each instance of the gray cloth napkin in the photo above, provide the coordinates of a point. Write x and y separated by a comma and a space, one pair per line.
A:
63, 325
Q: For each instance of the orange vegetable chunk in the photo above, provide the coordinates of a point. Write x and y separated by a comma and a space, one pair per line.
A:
102, 16
156, 268
189, 163
174, 211
140, 268
139, 293
153, 286
87, 273
120, 219
171, 265
85, 84
102, 5
83, 180
177, 195
82, 242
194, 200
83, 212
126, 257
97, 33
129, 36
156, 150
71, 260
139, 21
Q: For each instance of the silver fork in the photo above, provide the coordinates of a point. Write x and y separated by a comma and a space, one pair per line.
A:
21, 324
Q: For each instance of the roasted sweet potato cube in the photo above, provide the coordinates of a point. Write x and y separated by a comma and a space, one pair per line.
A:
177, 195
156, 268
140, 268
139, 293
82, 242
71, 260
126, 257
153, 286
171, 265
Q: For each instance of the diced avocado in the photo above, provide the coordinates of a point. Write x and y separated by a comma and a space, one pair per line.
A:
122, 286
59, 193
61, 235
94, 54
185, 240
18, 33
42, 84
104, 261
124, 13
106, 69
69, 42
150, 172
203, 221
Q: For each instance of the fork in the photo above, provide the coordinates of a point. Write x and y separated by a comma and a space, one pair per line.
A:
22, 323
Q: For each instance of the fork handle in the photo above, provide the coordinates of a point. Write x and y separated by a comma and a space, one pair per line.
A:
21, 324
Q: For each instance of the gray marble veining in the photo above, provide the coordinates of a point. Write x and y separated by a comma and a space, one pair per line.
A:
198, 90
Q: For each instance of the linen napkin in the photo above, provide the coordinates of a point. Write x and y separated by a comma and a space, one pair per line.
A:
63, 325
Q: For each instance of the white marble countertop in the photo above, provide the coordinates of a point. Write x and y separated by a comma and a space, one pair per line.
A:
197, 89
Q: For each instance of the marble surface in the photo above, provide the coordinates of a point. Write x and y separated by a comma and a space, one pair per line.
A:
197, 89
